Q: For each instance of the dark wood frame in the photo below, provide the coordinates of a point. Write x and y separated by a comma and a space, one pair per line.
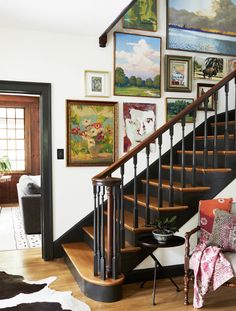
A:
213, 104
177, 58
176, 98
70, 102
114, 62
44, 91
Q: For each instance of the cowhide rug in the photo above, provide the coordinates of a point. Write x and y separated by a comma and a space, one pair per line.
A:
16, 294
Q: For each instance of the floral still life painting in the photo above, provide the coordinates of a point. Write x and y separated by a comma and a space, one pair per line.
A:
91, 133
206, 26
142, 15
139, 123
137, 65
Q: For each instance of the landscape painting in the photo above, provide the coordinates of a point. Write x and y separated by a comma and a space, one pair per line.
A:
91, 133
207, 26
175, 106
142, 15
212, 68
137, 65
139, 123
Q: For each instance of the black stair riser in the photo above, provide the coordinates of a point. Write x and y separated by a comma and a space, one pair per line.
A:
221, 130
220, 145
180, 197
223, 160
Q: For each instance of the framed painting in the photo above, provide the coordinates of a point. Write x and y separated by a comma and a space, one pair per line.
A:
202, 88
231, 64
137, 65
142, 15
178, 76
97, 83
139, 123
202, 26
175, 106
91, 133
210, 68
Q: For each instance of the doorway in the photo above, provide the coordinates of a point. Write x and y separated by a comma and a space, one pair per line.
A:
44, 92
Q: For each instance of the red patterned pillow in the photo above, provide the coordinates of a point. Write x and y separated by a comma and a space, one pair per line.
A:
206, 208
224, 231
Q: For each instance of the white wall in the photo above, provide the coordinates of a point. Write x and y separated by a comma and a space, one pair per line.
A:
61, 59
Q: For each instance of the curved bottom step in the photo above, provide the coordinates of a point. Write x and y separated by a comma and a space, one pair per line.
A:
79, 258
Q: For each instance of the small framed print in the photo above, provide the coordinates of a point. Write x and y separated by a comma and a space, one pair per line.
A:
97, 83
202, 88
179, 73
175, 106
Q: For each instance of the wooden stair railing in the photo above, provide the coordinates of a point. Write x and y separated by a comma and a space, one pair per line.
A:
112, 188
103, 37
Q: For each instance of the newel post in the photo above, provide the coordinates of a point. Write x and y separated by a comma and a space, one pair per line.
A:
108, 265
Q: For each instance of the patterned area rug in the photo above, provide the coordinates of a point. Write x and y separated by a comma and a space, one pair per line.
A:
19, 295
12, 234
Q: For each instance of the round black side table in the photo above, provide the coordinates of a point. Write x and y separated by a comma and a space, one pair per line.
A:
150, 244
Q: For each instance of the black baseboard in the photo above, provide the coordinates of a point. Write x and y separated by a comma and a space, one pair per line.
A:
147, 274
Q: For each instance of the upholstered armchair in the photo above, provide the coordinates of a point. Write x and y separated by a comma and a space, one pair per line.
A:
217, 232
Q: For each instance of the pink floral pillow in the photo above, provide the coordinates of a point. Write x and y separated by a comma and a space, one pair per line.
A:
206, 208
224, 231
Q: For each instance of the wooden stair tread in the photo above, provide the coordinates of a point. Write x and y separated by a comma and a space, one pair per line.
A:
176, 185
222, 123
153, 203
129, 223
231, 136
81, 255
128, 247
198, 169
210, 152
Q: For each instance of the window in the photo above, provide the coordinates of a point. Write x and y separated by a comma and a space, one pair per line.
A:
12, 136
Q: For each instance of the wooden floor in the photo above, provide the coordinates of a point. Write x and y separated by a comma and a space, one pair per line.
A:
29, 264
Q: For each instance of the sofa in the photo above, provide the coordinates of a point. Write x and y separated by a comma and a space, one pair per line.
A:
29, 197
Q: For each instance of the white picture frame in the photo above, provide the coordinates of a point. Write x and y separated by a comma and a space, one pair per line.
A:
97, 83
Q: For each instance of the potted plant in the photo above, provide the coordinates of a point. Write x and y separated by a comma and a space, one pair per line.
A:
5, 165
164, 228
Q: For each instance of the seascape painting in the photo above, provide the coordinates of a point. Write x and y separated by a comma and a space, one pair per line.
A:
142, 16
137, 65
207, 26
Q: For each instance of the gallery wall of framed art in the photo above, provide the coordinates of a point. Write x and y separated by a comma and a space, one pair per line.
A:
155, 70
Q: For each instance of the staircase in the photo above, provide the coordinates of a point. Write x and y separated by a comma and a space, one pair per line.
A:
198, 167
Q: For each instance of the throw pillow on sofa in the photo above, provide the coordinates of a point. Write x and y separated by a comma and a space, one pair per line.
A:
28, 186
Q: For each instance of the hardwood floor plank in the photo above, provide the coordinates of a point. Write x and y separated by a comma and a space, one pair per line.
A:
29, 264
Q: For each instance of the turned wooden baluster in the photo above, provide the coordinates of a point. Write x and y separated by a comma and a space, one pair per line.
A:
147, 210
205, 149
226, 136
171, 190
194, 114
135, 211
215, 155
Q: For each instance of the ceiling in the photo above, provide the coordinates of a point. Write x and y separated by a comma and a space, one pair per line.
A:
90, 17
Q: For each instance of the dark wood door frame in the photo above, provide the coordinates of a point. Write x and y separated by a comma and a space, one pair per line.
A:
44, 90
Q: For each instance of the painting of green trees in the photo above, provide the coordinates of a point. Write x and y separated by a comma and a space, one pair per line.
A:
175, 106
137, 65
142, 15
